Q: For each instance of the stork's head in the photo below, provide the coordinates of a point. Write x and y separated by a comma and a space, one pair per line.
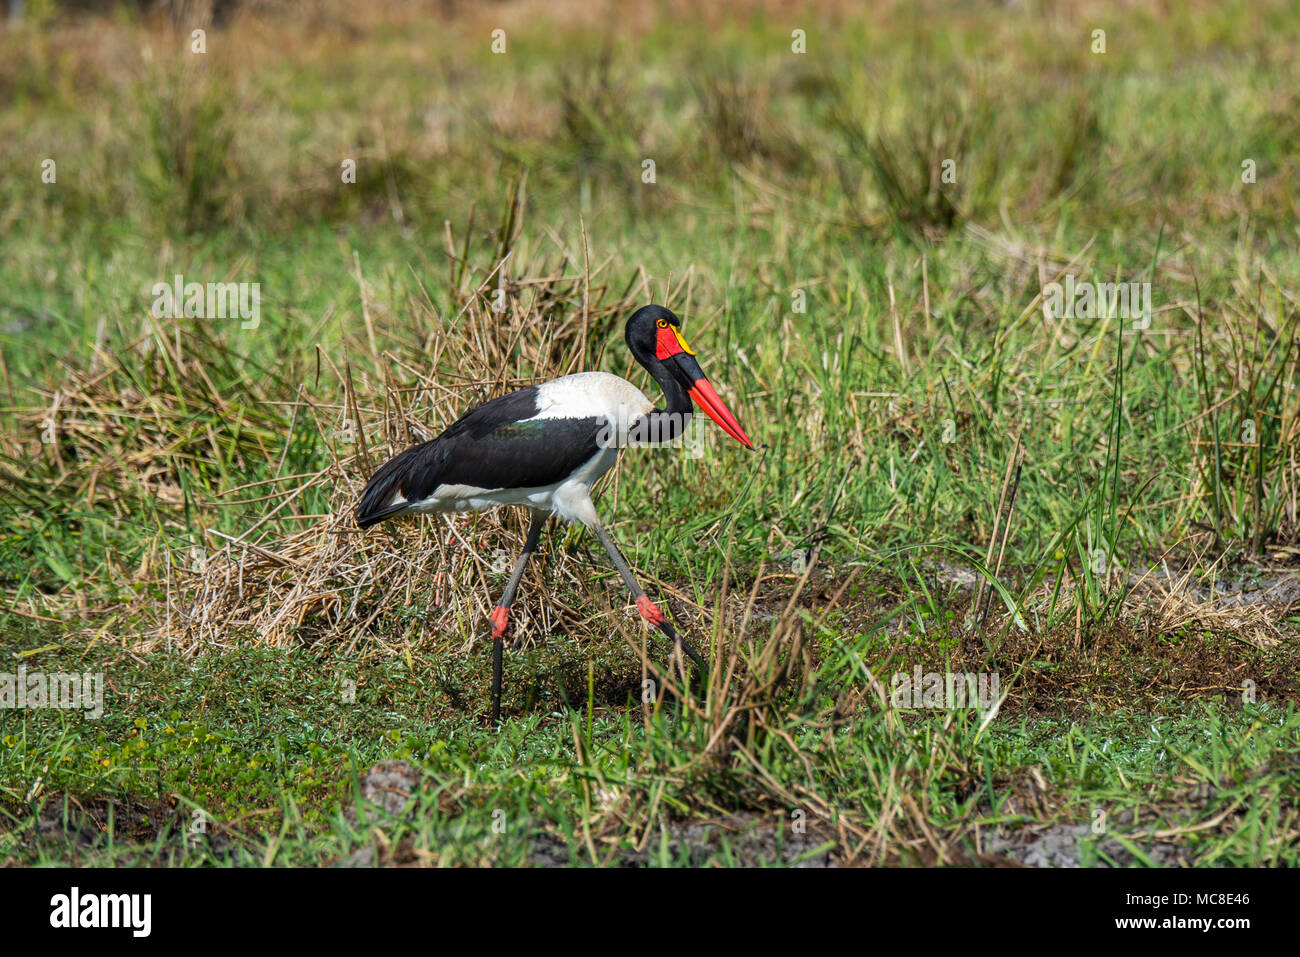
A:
654, 335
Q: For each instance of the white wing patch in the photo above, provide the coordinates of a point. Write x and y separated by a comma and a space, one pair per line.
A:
591, 394
581, 396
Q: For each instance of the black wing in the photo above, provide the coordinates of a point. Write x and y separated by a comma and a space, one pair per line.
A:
492, 446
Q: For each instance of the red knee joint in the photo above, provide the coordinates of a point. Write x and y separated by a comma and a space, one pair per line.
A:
649, 610
499, 617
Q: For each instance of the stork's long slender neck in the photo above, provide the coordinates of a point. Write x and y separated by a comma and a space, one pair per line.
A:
666, 424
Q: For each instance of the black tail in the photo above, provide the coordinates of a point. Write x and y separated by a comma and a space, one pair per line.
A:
366, 519
398, 476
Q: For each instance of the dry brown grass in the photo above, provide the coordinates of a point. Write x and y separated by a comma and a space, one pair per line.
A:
136, 430
329, 583
1176, 602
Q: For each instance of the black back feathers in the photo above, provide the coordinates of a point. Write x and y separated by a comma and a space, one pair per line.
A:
497, 445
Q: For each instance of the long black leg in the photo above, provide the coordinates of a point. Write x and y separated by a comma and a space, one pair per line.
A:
501, 613
648, 609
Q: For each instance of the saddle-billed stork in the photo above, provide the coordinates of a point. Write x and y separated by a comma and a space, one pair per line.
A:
544, 447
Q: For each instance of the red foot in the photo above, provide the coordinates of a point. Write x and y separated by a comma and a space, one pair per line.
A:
649, 610
498, 619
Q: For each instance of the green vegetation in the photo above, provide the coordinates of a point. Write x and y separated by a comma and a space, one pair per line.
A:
175, 491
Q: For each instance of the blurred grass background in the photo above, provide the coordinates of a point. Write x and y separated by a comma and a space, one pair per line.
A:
775, 172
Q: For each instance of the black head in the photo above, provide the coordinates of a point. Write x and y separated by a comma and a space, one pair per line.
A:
643, 329
654, 335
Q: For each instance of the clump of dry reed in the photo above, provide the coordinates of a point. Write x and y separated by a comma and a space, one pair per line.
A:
413, 581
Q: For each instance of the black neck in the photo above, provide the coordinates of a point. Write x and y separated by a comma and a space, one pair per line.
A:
666, 424
677, 399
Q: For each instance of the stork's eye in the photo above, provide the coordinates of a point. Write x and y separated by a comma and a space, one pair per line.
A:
662, 323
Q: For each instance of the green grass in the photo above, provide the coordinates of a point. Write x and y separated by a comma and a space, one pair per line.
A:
875, 326
263, 745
